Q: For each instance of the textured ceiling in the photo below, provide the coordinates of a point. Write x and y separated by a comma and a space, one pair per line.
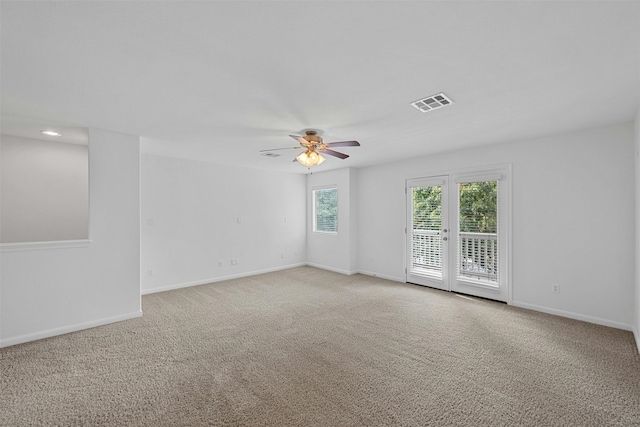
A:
219, 81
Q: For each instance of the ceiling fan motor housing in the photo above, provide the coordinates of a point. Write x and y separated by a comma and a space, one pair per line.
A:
312, 137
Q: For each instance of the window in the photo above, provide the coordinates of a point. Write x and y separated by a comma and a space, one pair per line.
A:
325, 210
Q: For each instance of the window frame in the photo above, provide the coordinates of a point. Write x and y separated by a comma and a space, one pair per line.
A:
314, 207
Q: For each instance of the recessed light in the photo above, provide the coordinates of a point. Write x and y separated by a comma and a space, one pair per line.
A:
50, 133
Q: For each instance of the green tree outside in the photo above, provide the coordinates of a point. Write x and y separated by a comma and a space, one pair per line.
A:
427, 208
478, 207
326, 210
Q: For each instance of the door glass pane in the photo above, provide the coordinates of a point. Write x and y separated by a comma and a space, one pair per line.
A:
478, 231
426, 245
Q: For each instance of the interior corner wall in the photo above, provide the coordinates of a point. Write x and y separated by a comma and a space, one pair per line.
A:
335, 252
354, 214
204, 222
637, 216
572, 204
48, 291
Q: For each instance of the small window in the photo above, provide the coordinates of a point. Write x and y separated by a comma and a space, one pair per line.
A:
325, 210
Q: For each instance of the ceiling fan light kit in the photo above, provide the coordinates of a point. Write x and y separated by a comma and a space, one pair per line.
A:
314, 147
310, 158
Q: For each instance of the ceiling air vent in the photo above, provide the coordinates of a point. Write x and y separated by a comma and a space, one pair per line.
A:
432, 102
270, 155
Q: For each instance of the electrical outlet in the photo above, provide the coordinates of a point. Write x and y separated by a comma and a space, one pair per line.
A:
234, 261
555, 288
281, 254
149, 273
220, 263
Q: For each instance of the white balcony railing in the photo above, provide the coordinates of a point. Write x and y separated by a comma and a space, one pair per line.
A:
477, 256
427, 251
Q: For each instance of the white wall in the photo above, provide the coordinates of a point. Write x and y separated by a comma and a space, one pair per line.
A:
196, 215
573, 207
45, 190
336, 252
47, 291
637, 257
571, 195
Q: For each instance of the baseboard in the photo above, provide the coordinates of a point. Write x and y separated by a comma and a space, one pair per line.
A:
68, 329
383, 276
576, 316
636, 335
218, 279
335, 270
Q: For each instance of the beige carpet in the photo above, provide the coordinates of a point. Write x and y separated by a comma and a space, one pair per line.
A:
307, 347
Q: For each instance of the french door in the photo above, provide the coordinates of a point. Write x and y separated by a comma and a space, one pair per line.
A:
457, 232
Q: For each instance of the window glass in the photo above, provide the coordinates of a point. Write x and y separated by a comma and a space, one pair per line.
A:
478, 230
325, 210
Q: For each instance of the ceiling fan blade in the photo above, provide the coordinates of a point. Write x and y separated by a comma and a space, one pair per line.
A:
343, 144
301, 140
335, 154
285, 148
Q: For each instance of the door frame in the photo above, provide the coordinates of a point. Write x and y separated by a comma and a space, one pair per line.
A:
504, 172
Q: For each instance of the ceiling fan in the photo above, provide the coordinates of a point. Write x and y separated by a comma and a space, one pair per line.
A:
315, 147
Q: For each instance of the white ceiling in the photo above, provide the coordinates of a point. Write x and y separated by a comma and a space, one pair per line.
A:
33, 130
219, 81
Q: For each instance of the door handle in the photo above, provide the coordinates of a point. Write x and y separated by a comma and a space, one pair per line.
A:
445, 230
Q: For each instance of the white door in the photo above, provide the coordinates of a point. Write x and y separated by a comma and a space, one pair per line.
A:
457, 233
427, 230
